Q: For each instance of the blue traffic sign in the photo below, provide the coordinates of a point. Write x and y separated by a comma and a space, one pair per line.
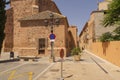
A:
52, 36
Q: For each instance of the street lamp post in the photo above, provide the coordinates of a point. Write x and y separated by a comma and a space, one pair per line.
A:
53, 21
52, 52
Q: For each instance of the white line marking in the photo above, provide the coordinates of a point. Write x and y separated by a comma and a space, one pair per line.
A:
43, 71
13, 68
99, 58
104, 60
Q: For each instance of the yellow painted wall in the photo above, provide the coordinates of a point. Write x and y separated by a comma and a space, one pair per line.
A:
107, 50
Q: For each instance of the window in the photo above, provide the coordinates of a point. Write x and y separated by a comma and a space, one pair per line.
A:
41, 43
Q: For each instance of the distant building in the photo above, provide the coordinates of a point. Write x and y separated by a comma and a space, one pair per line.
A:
27, 33
103, 5
93, 29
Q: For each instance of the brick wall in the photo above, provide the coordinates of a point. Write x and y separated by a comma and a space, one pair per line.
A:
27, 33
31, 31
8, 42
19, 11
73, 32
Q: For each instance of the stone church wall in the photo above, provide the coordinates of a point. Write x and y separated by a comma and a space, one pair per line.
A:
8, 42
25, 34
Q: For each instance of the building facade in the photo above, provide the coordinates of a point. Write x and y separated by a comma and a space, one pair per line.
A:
30, 31
93, 29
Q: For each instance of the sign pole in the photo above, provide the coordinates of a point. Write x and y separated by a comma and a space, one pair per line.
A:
52, 52
52, 39
61, 69
62, 55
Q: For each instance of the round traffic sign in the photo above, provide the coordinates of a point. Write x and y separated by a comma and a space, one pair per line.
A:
62, 53
52, 36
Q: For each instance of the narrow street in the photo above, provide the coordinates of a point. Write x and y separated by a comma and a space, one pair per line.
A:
90, 67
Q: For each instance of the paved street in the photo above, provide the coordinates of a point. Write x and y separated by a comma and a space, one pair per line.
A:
22, 70
89, 67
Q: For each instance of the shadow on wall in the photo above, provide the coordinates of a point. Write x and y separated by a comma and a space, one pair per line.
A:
72, 39
105, 46
71, 43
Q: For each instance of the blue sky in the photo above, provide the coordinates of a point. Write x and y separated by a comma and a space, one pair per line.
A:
77, 11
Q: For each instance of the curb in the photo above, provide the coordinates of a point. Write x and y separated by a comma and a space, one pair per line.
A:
9, 60
108, 62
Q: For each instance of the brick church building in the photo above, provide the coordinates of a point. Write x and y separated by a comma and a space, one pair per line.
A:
28, 28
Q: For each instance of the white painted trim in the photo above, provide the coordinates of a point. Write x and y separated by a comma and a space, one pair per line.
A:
52, 40
56, 48
35, 6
